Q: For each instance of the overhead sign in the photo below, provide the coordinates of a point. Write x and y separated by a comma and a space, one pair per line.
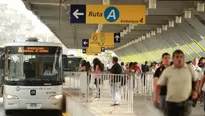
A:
85, 42
102, 40
93, 50
77, 13
117, 37
108, 14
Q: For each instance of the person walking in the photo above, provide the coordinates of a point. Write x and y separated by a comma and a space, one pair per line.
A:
116, 81
180, 80
158, 72
145, 69
97, 69
199, 74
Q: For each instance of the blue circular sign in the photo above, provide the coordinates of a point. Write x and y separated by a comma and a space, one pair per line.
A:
111, 14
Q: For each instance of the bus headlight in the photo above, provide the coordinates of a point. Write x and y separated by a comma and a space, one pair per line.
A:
59, 96
11, 97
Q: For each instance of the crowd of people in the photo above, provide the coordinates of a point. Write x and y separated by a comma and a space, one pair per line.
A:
178, 85
98, 67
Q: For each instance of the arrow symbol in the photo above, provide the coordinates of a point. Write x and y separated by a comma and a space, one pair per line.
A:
77, 14
117, 37
85, 42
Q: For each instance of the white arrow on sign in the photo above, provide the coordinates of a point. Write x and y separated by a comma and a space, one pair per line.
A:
77, 14
85, 42
117, 37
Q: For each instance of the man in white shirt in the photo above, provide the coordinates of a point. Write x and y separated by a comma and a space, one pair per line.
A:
180, 80
50, 71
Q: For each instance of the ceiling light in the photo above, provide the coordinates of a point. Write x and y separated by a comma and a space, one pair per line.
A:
187, 14
178, 19
159, 30
153, 33
143, 37
124, 32
148, 35
121, 34
152, 4
128, 29
131, 26
164, 27
140, 39
171, 23
200, 6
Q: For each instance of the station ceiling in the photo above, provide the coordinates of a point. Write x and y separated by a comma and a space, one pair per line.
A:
56, 16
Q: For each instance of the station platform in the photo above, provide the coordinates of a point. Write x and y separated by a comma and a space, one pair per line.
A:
142, 107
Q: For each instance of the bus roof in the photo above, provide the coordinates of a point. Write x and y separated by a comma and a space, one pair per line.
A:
33, 44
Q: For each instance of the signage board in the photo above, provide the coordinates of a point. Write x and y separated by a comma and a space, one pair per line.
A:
93, 50
108, 14
102, 40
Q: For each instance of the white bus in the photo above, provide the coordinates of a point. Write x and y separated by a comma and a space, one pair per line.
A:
71, 63
33, 76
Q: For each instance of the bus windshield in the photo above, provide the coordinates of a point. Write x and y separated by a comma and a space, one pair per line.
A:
33, 65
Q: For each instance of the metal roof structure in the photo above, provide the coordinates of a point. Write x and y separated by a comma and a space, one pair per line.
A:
166, 27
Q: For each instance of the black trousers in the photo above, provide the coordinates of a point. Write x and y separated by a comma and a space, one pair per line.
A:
179, 109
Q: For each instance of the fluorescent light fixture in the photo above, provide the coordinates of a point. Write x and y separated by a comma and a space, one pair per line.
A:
140, 39
164, 27
187, 14
148, 35
143, 37
106, 2
153, 33
200, 6
128, 29
171, 23
178, 19
159, 30
131, 26
121, 34
152, 4
124, 32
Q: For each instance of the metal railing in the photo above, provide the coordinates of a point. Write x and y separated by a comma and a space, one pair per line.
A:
106, 88
113, 88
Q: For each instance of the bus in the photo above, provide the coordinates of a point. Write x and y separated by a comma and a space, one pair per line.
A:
71, 63
33, 76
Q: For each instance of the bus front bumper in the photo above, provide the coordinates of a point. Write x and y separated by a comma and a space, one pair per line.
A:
47, 104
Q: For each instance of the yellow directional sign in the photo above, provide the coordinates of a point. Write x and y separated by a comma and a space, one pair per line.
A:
93, 50
115, 14
102, 40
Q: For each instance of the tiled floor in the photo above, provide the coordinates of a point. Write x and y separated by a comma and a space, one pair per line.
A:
142, 107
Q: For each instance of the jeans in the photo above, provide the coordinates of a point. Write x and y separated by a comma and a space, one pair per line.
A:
116, 92
179, 109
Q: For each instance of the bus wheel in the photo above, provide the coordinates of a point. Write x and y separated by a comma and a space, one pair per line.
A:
8, 112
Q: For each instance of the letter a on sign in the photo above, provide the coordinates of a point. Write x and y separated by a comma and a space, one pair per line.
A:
111, 14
